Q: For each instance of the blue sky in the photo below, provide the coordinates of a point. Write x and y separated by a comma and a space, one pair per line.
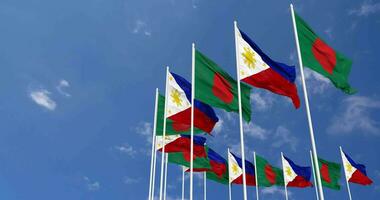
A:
78, 78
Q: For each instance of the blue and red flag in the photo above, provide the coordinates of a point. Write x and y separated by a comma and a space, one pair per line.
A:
294, 175
355, 173
259, 70
181, 143
236, 170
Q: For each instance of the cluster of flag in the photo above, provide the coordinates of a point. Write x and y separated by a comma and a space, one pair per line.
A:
185, 105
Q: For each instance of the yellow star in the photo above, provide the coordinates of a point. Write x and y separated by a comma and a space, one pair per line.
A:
288, 171
235, 168
249, 57
349, 167
176, 98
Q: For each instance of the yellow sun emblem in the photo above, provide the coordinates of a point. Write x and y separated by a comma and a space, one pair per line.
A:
249, 57
235, 169
349, 167
176, 98
288, 171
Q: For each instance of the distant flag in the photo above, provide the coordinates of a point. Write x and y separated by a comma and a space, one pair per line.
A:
294, 175
179, 105
268, 175
330, 173
236, 170
355, 173
320, 57
259, 70
219, 167
217, 88
181, 143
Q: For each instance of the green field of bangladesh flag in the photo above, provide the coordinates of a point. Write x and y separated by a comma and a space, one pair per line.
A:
330, 173
199, 163
320, 57
216, 88
267, 175
172, 128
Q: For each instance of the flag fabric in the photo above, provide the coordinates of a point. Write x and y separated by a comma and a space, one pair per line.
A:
179, 105
267, 175
200, 162
219, 170
259, 70
330, 174
294, 175
182, 143
235, 169
217, 88
355, 173
320, 57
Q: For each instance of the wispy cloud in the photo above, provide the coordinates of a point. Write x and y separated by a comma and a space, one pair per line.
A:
91, 185
218, 127
282, 137
145, 129
130, 180
356, 115
262, 100
274, 190
141, 27
61, 86
255, 131
316, 83
41, 97
126, 149
365, 9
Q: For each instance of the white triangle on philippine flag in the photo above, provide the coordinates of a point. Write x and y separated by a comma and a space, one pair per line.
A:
168, 139
233, 168
289, 173
347, 166
177, 100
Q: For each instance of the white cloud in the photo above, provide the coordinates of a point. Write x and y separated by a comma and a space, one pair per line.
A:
316, 83
356, 115
60, 87
129, 180
41, 97
274, 190
262, 100
365, 9
126, 149
145, 129
141, 27
283, 137
218, 127
91, 185
255, 131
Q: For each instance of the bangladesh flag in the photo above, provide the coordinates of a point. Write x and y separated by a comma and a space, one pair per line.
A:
267, 175
320, 57
330, 174
200, 163
218, 89
172, 127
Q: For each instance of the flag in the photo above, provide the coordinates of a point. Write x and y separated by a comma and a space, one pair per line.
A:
267, 175
182, 143
259, 70
200, 162
330, 174
218, 89
320, 57
236, 170
219, 171
294, 175
355, 173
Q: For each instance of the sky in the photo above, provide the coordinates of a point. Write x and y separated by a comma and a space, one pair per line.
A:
78, 79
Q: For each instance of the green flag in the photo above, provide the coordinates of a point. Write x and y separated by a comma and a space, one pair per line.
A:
330, 173
267, 175
199, 163
216, 88
320, 57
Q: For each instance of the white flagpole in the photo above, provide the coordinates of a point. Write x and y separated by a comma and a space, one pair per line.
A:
315, 180
166, 175
344, 167
240, 115
257, 182
153, 154
163, 136
229, 172
313, 145
192, 119
183, 183
286, 190
154, 169
204, 186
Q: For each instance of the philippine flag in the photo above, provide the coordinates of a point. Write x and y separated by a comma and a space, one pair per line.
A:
258, 70
294, 175
179, 105
235, 170
355, 173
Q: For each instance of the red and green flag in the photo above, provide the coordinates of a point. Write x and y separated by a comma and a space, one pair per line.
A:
217, 88
320, 57
330, 174
268, 175
200, 162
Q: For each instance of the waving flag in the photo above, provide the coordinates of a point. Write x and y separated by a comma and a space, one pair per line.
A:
355, 173
236, 171
330, 174
219, 170
181, 143
258, 70
294, 175
267, 175
179, 105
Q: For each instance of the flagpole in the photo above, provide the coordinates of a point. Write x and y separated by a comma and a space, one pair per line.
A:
183, 183
313, 145
229, 183
192, 119
166, 175
163, 136
257, 182
240, 115
344, 167
153, 148
286, 190
315, 180
204, 186
154, 169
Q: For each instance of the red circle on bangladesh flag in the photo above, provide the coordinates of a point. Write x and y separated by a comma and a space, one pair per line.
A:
324, 54
222, 89
270, 174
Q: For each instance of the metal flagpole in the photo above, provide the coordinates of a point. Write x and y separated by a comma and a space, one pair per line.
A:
152, 162
257, 182
192, 119
229, 182
315, 180
344, 167
154, 169
204, 186
163, 136
314, 148
183, 183
286, 190
166, 175
240, 115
